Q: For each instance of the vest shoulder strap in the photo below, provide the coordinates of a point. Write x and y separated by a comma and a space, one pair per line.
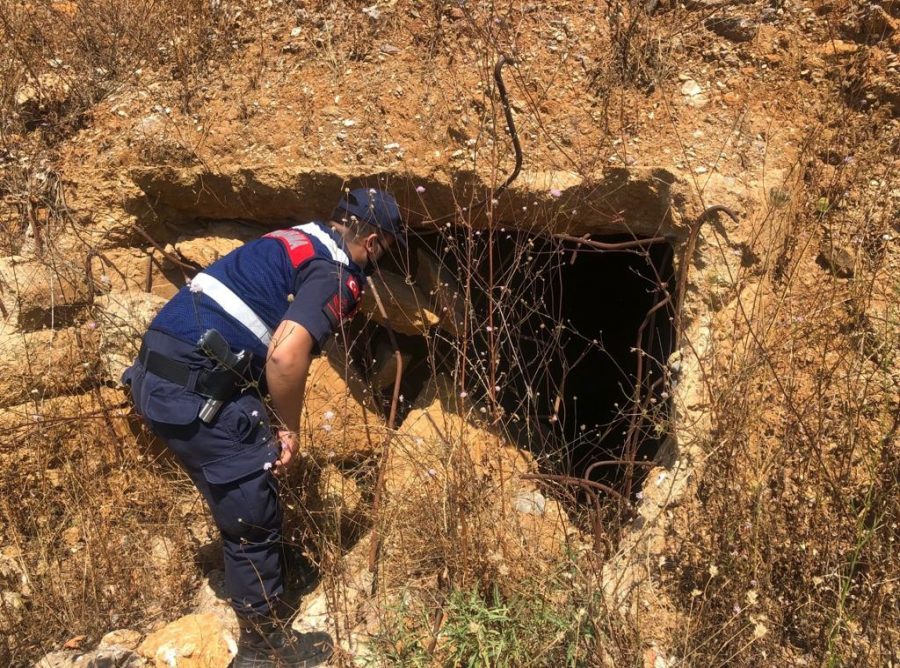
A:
297, 244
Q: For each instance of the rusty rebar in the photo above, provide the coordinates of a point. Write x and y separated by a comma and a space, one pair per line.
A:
621, 245
581, 482
513, 135
510, 123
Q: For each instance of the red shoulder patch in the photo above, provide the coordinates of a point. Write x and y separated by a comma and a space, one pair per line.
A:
345, 303
298, 246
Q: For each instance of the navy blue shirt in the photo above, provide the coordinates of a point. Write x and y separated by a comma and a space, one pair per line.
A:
303, 274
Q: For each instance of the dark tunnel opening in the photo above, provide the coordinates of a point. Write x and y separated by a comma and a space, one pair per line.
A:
563, 348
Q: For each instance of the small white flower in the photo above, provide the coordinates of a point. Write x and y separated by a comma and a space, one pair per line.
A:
463, 394
328, 415
267, 466
254, 413
195, 287
326, 427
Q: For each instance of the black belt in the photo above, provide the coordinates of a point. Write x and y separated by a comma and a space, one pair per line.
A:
215, 383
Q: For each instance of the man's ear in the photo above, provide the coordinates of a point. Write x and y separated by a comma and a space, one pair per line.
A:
372, 244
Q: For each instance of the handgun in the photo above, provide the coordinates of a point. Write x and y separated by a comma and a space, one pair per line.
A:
214, 346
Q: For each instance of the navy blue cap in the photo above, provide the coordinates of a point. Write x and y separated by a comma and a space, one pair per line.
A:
375, 207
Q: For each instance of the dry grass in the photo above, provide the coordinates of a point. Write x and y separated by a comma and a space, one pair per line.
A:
793, 556
94, 537
62, 57
94, 530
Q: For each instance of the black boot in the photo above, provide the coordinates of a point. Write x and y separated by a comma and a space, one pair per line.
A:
266, 642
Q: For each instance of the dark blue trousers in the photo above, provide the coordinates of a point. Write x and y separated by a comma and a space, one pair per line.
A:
230, 461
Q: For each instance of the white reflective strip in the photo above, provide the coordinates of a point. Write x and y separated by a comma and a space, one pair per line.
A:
234, 306
314, 230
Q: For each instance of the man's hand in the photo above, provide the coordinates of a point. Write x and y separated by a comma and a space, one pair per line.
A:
288, 441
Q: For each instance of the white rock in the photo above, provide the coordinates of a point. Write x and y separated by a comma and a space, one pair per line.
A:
691, 88
530, 502
122, 638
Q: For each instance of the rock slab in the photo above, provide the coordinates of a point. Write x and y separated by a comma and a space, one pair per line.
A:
193, 641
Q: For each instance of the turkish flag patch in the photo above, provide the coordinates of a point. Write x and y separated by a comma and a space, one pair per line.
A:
354, 287
345, 302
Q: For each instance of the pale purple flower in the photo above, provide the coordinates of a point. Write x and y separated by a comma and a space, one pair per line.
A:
555, 192
420, 189
92, 325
